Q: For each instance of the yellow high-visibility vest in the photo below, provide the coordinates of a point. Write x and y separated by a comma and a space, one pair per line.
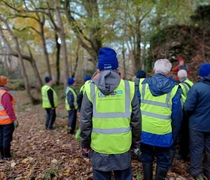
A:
156, 114
45, 99
111, 133
75, 99
185, 88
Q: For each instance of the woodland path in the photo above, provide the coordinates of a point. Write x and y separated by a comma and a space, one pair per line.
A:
44, 154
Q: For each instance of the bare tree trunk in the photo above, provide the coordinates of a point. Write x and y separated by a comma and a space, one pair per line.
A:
124, 64
63, 42
137, 51
35, 69
26, 57
24, 74
93, 43
58, 47
77, 59
41, 27
95, 32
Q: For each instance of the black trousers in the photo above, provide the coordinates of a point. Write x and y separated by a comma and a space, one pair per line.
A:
6, 132
162, 154
72, 120
125, 174
50, 118
199, 153
184, 138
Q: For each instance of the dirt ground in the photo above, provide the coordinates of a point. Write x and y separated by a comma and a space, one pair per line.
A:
43, 154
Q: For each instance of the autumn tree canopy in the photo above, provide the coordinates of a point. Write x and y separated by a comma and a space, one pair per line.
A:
61, 38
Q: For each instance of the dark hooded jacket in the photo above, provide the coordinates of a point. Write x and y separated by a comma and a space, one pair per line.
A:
159, 85
197, 105
107, 81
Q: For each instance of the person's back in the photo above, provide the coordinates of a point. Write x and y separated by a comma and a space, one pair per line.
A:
49, 102
81, 92
110, 120
140, 76
184, 82
161, 115
158, 92
183, 142
198, 104
197, 108
71, 105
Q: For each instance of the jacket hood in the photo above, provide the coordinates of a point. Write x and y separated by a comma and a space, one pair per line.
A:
159, 84
107, 81
206, 80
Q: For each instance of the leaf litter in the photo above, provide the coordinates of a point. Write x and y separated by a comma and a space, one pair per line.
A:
55, 155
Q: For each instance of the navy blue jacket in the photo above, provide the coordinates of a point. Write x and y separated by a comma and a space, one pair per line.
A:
159, 85
197, 105
70, 98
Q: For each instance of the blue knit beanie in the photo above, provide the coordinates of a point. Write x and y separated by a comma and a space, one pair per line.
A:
107, 59
141, 74
86, 78
71, 81
204, 70
47, 79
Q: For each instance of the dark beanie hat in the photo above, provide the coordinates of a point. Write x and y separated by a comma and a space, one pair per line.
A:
204, 70
141, 74
71, 81
47, 79
86, 78
107, 59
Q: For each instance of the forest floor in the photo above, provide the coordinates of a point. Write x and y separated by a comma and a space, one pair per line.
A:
53, 154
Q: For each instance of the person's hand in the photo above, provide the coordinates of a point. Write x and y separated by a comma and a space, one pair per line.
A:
136, 152
16, 124
86, 150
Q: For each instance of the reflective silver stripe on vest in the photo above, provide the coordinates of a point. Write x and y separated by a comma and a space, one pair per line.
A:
111, 131
45, 100
166, 104
4, 117
159, 116
156, 103
125, 114
1, 107
186, 87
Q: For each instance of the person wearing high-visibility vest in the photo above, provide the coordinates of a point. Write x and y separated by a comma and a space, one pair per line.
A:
161, 119
71, 105
185, 84
140, 75
8, 119
197, 107
49, 102
81, 92
110, 120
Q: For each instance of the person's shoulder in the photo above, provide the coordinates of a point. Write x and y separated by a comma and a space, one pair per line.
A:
129, 81
6, 95
4, 92
196, 86
136, 81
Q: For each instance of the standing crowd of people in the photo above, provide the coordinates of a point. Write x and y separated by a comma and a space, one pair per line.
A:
150, 116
